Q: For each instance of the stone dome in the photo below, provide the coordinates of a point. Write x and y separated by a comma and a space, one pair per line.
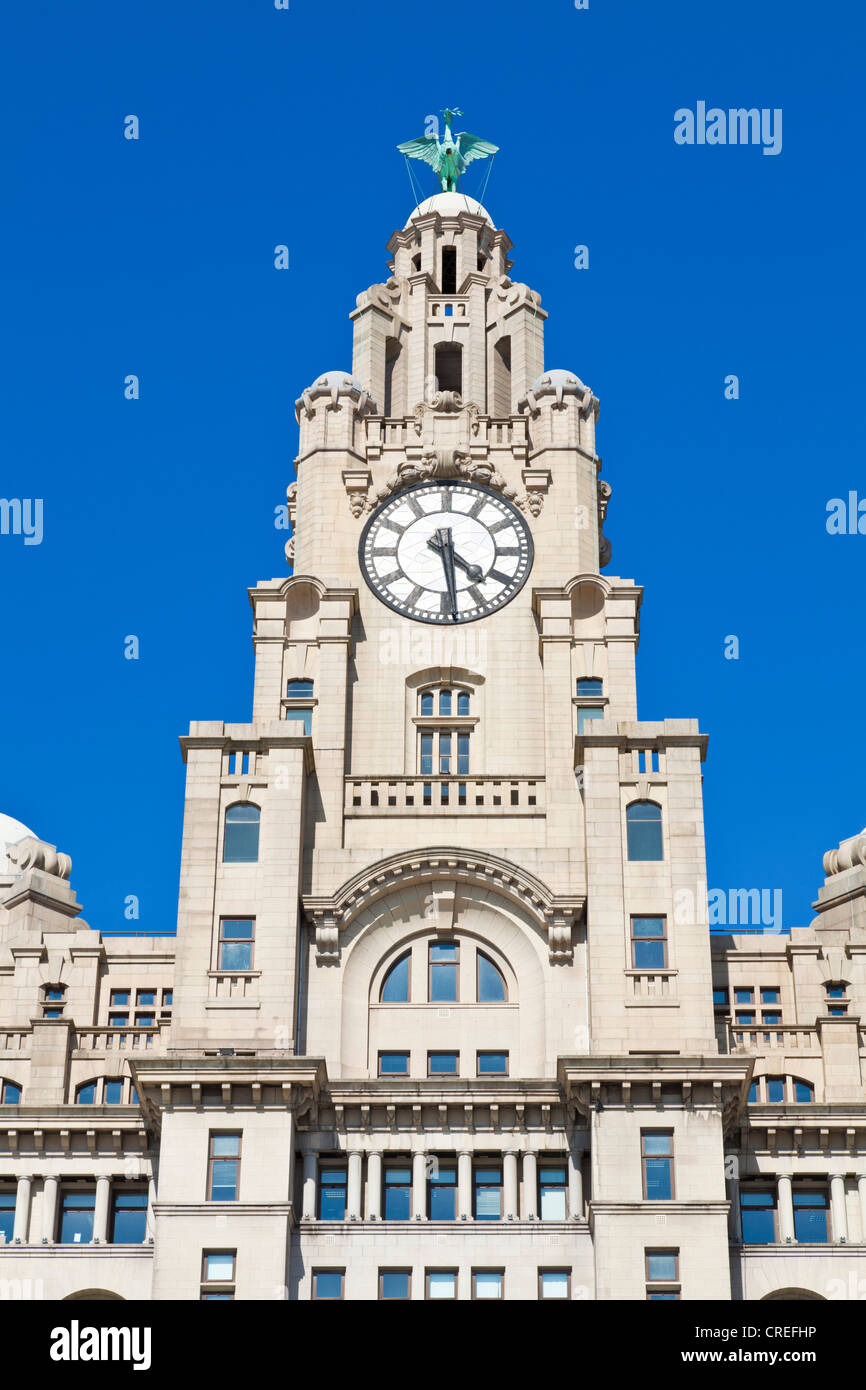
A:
557, 377
449, 205
11, 831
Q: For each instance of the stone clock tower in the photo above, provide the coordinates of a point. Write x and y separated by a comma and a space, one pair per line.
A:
428, 891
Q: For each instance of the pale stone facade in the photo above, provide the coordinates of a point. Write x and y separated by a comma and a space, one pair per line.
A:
512, 879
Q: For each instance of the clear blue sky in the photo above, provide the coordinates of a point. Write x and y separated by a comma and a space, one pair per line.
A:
155, 257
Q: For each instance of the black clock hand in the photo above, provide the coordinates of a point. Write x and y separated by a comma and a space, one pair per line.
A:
444, 545
472, 571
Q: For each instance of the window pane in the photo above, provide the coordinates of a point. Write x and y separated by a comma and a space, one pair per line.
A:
118, 1020
769, 996
76, 1218
442, 1063
488, 1284
742, 996
658, 1179
86, 1095
649, 955
113, 1092
491, 985
662, 1265
445, 702
219, 1269
657, 1144
225, 1145
224, 1182
462, 753
554, 1283
441, 1283
644, 830
427, 702
130, 1218
441, 1194
302, 717
775, 1089
120, 996
395, 990
7, 1216
395, 1283
587, 716
393, 1063
11, 1094
803, 1091
810, 1216
720, 996
492, 1063
463, 703
753, 1092
328, 1283
236, 955
332, 1194
553, 1204
589, 687
241, 843
300, 690
443, 973
398, 1194
488, 1188
757, 1210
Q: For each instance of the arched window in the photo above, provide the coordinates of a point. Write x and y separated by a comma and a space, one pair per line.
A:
10, 1092
445, 702
395, 986
241, 840
491, 982
85, 1094
427, 702
113, 1094
804, 1091
644, 828
463, 702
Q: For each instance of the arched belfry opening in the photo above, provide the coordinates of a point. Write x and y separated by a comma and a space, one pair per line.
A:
449, 367
449, 270
500, 403
395, 378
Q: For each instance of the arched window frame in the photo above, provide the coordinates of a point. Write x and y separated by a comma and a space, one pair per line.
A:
444, 726
246, 821
100, 1084
299, 704
485, 956
389, 971
10, 1091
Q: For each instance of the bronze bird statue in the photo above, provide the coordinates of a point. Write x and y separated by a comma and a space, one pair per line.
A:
448, 157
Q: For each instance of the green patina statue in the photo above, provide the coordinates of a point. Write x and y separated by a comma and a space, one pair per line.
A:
450, 156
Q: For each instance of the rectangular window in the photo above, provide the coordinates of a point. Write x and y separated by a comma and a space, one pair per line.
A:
770, 996
393, 1063
145, 998
590, 687
76, 1216
128, 1216
167, 998
745, 1020
145, 1021
552, 1191
426, 755
440, 1283
443, 972
7, 1215
776, 1090
487, 1283
488, 1192
443, 1063
302, 717
444, 753
810, 1216
113, 1092
835, 991
10, 1094
554, 1283
585, 717
442, 1192
236, 943
758, 1215
224, 1167
743, 996
398, 1193
771, 1018
492, 1063
462, 754
118, 1020
218, 1275
753, 1092
657, 1156
662, 1275
119, 998
649, 943
395, 1283
328, 1284
720, 999
332, 1194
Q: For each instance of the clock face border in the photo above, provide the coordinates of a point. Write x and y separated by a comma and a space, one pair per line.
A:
439, 620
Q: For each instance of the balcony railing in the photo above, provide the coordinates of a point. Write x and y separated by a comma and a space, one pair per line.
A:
449, 796
14, 1039
116, 1039
761, 1039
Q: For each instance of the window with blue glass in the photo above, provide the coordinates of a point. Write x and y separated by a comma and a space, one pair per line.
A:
398, 1192
85, 1094
427, 703
657, 1157
236, 943
487, 1204
585, 716
76, 1216
463, 703
444, 702
662, 1275
395, 986
393, 1063
129, 1216
328, 1283
332, 1194
492, 1063
300, 715
649, 947
753, 1092
442, 1192
744, 996
443, 1063
224, 1167
590, 687
776, 1090
10, 1093
803, 1091
720, 999
644, 830
443, 972
462, 753
810, 1215
552, 1192
395, 1283
7, 1214
113, 1091
299, 690
55, 993
758, 1215
491, 982
241, 839
53, 1001
426, 755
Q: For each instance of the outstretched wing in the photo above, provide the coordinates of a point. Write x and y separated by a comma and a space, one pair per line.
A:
473, 147
426, 148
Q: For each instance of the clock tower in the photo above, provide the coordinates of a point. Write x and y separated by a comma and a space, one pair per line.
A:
443, 898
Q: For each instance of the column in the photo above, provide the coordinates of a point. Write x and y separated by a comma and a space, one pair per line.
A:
861, 1190
786, 1208
464, 1186
308, 1210
530, 1187
735, 1223
49, 1209
21, 1229
419, 1186
374, 1187
838, 1213
150, 1220
509, 1185
353, 1194
100, 1211
575, 1184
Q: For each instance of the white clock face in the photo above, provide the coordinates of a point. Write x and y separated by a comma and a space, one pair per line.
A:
446, 552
